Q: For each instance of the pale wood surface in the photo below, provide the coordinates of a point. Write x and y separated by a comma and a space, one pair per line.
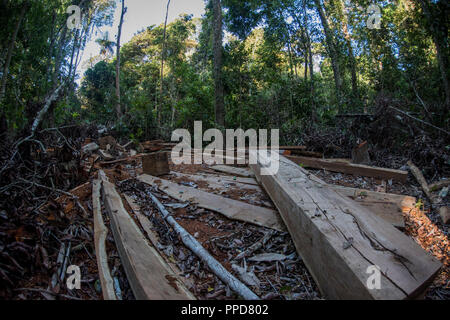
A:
240, 172
100, 233
147, 273
338, 239
350, 168
230, 208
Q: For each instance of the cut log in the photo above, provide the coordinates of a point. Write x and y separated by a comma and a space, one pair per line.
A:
100, 233
230, 208
350, 168
156, 164
342, 242
147, 273
360, 154
444, 212
387, 206
311, 154
390, 207
240, 172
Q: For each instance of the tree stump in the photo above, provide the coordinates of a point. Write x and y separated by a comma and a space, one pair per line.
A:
360, 154
156, 164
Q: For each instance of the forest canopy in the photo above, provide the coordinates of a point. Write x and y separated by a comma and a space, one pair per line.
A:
287, 64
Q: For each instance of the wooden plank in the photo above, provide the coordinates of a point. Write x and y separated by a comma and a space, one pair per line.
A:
100, 233
339, 240
240, 172
221, 182
154, 239
350, 168
230, 208
388, 206
147, 273
360, 154
225, 184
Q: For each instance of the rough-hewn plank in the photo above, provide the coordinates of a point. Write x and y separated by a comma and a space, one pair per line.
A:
230, 208
339, 240
154, 239
100, 233
350, 168
149, 276
240, 172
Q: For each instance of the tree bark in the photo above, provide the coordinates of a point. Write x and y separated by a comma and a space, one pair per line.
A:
218, 81
334, 55
118, 107
10, 51
440, 49
59, 57
355, 92
163, 57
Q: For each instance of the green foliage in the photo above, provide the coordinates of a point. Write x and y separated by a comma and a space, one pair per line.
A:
266, 71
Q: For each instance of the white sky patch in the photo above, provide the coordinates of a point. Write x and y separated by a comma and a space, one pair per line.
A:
140, 15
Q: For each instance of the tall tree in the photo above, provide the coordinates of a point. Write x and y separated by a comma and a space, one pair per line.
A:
333, 52
11, 50
163, 56
119, 34
218, 61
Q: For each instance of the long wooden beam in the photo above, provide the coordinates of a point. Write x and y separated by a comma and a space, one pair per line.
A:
350, 168
342, 243
230, 208
149, 276
100, 233
389, 206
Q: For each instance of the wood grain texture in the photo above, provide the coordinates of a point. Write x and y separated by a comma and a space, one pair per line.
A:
339, 239
100, 233
147, 273
230, 208
154, 239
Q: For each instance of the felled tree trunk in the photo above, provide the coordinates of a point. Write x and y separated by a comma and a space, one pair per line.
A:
118, 107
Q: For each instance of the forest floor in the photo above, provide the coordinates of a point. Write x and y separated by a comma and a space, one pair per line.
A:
63, 227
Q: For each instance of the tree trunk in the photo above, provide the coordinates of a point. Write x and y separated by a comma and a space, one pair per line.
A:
334, 55
163, 57
10, 52
118, 107
218, 83
440, 49
355, 92
59, 57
